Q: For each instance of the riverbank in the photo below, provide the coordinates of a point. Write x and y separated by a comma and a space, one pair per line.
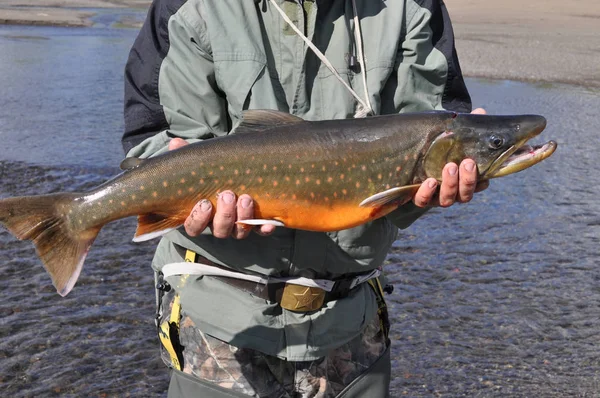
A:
61, 12
538, 41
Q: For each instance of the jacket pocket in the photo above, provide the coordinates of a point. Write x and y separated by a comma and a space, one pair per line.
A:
236, 75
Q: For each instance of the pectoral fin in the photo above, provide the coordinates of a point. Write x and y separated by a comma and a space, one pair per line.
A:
398, 194
261, 222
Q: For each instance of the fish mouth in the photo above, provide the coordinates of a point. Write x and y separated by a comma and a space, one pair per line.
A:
520, 158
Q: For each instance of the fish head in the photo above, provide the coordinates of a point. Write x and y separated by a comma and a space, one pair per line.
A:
497, 144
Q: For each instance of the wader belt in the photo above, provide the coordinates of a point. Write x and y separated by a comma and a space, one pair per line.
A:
292, 293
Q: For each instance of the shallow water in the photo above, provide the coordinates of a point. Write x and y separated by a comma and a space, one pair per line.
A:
499, 297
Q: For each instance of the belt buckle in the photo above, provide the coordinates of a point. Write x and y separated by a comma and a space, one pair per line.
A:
300, 298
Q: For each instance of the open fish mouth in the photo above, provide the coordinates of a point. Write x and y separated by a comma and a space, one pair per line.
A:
514, 160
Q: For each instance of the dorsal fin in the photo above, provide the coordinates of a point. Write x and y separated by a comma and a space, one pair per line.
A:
130, 163
263, 119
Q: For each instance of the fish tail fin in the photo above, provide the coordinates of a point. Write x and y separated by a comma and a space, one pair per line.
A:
43, 220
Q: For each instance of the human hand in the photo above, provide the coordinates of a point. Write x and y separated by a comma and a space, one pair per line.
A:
458, 183
223, 223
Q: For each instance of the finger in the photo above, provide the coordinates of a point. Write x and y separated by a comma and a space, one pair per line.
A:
199, 218
479, 111
467, 180
449, 187
245, 211
225, 215
266, 230
426, 192
177, 143
482, 185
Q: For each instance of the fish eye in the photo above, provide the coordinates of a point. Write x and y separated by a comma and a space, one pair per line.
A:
496, 141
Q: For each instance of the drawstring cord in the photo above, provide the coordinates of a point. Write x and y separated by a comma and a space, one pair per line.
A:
364, 108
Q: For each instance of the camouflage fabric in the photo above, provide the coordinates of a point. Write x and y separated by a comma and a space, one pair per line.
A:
253, 373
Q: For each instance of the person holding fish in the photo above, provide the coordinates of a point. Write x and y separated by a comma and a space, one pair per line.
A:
256, 309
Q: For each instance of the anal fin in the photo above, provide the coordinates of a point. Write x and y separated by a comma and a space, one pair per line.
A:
153, 225
398, 194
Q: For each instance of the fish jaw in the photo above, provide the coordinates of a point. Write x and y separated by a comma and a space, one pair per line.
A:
523, 158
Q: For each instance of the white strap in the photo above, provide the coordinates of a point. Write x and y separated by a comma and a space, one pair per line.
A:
364, 108
361, 57
187, 268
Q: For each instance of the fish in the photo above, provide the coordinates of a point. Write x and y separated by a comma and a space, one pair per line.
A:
313, 175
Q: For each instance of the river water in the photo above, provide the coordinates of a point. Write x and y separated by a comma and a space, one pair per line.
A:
499, 297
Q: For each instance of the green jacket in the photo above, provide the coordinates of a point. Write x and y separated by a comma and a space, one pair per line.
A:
197, 64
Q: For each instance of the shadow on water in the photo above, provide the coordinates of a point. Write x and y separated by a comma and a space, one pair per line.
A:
499, 297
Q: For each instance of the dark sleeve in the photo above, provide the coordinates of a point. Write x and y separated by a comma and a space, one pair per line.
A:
170, 84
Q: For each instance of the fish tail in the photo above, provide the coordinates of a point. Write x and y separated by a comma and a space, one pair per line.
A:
43, 220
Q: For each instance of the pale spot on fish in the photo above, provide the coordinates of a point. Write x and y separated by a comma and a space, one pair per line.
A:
406, 157
210, 173
165, 184
297, 182
307, 179
123, 190
344, 191
193, 173
202, 181
363, 167
387, 186
294, 196
190, 189
182, 181
216, 181
289, 166
230, 181
110, 201
323, 168
133, 197
242, 187
274, 168
415, 156
155, 194
260, 180
302, 169
379, 176
318, 182
326, 199
236, 172
275, 183
283, 196
358, 185
335, 194
221, 168
122, 203
329, 179
342, 176
179, 192
312, 195
287, 178
312, 165
398, 168
247, 171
